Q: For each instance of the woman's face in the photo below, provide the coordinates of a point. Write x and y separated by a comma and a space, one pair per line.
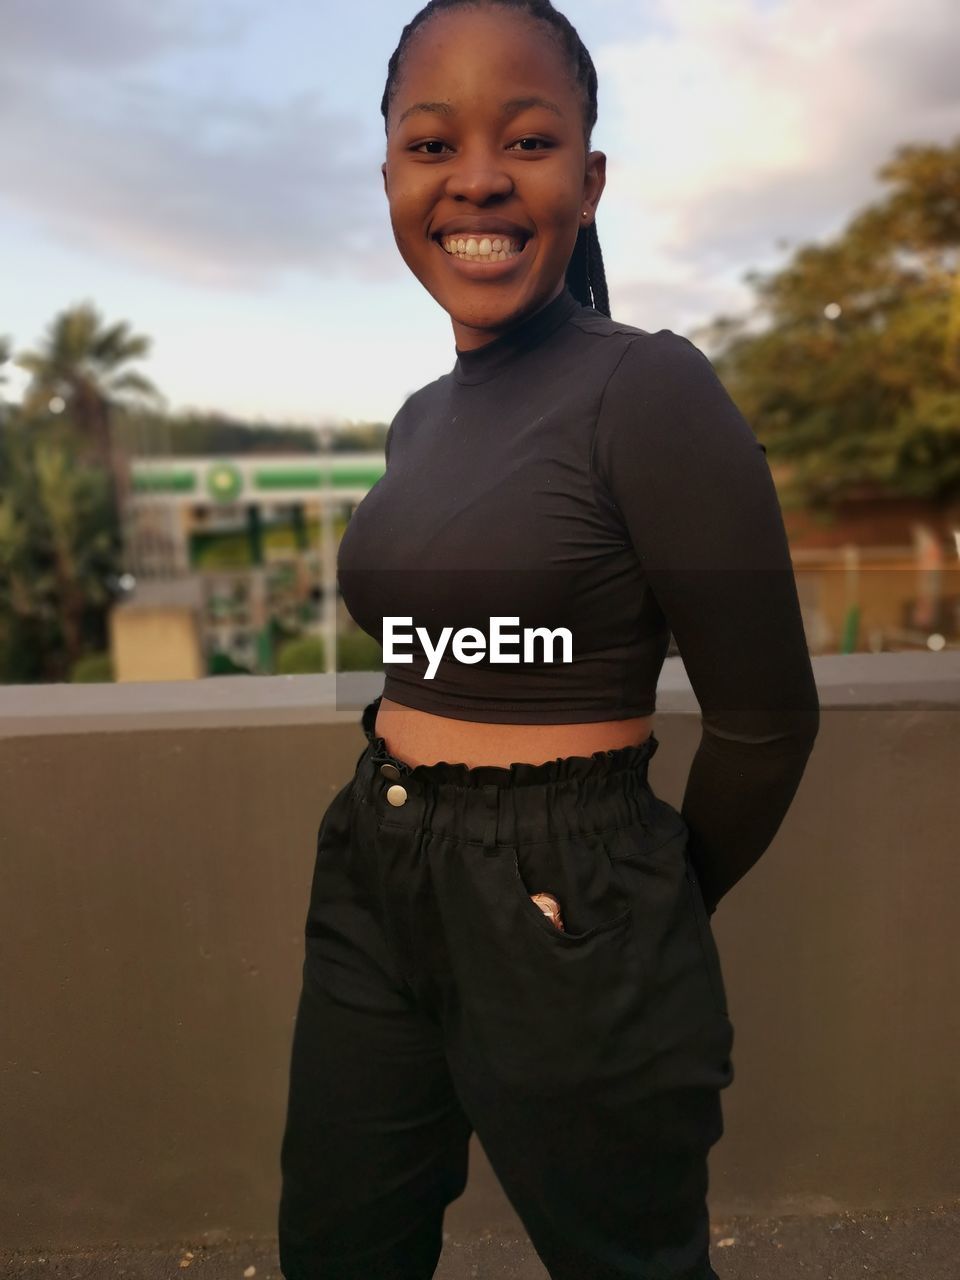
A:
468, 165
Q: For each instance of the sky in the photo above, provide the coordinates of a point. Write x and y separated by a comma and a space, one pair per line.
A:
211, 174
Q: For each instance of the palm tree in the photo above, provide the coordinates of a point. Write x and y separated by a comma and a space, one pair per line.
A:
80, 361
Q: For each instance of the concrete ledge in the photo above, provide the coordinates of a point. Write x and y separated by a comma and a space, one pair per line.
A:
881, 680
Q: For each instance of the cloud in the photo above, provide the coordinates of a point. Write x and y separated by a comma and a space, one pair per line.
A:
729, 126
38, 33
218, 194
215, 189
735, 126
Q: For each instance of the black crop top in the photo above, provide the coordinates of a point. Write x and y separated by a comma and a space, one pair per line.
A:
581, 473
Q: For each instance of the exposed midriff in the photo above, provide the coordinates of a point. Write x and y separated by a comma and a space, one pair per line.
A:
420, 737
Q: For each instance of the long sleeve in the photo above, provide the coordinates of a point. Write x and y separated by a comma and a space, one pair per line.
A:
693, 488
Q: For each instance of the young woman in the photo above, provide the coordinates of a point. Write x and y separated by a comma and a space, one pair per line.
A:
570, 472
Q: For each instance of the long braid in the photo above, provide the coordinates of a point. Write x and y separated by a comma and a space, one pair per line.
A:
596, 273
585, 275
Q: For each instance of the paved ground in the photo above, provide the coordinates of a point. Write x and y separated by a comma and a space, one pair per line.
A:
919, 1245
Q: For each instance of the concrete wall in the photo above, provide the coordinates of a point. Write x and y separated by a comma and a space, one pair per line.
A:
156, 852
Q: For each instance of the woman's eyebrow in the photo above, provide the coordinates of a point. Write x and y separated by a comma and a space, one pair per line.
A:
512, 107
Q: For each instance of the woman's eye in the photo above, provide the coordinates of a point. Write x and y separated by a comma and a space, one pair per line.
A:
543, 142
435, 142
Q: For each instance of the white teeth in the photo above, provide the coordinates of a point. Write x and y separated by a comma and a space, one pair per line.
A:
488, 248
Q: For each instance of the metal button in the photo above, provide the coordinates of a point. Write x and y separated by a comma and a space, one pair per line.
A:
397, 795
390, 771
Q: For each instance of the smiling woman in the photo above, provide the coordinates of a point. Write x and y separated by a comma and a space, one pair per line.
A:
489, 160
596, 481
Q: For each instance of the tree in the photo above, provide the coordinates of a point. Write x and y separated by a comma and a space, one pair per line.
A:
4, 358
55, 557
81, 361
853, 376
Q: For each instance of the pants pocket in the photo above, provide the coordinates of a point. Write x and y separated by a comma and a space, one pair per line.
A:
590, 898
550, 1012
678, 952
332, 865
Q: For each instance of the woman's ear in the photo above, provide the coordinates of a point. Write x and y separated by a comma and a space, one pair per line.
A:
596, 177
383, 170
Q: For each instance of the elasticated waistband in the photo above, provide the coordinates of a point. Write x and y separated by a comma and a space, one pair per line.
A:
497, 804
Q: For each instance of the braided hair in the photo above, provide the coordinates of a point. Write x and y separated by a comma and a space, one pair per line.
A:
585, 276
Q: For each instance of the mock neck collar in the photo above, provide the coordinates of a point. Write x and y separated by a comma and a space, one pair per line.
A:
483, 362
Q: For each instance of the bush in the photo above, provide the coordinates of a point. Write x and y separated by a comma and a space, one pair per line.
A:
221, 664
92, 668
304, 656
356, 651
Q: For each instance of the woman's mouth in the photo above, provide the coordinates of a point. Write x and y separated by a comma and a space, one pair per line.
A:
482, 255
492, 248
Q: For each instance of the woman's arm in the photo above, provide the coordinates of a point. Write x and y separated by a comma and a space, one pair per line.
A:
699, 505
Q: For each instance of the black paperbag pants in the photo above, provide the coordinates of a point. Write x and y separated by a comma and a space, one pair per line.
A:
438, 999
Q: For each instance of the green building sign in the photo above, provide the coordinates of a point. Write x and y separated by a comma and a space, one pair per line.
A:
224, 482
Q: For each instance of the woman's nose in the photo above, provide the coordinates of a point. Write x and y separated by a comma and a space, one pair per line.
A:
478, 175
